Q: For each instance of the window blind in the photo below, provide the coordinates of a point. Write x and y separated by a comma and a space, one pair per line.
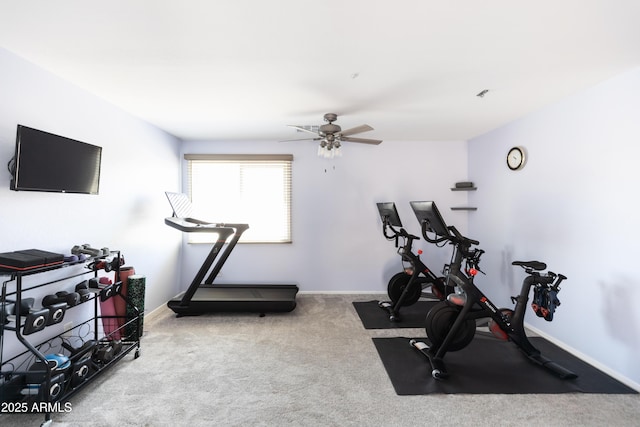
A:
253, 189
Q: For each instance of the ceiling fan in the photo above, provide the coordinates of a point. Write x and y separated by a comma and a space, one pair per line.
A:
331, 136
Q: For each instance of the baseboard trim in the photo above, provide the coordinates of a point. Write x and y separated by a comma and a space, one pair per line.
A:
612, 373
156, 312
342, 293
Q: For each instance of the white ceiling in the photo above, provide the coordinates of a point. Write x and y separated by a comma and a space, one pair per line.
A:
244, 69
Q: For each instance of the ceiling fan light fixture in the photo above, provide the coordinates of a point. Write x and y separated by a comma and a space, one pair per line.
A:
329, 149
331, 136
325, 152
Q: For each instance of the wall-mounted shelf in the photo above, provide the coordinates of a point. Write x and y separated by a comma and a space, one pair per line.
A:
464, 186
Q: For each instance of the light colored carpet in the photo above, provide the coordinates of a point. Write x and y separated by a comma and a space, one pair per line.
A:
315, 366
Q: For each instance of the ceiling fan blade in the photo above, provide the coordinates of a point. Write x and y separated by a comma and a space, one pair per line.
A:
357, 129
303, 129
301, 139
362, 140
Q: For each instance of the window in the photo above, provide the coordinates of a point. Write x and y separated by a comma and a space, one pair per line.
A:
251, 189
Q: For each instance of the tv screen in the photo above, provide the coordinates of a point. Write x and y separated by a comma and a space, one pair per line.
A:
48, 162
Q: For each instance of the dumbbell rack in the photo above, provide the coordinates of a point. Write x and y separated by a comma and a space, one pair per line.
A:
15, 367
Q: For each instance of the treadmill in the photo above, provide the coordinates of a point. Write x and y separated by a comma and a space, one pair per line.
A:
203, 296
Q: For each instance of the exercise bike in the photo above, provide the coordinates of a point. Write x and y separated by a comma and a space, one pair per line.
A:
451, 324
417, 280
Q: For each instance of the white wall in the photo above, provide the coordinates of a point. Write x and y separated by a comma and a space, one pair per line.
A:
337, 234
574, 207
139, 163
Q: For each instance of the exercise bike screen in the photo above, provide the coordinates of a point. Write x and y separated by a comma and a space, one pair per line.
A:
427, 212
388, 210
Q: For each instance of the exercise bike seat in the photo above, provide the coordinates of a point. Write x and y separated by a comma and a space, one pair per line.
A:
534, 265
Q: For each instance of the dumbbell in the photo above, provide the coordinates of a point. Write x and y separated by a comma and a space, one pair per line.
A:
85, 249
59, 365
103, 353
107, 289
56, 313
6, 310
82, 289
37, 319
58, 303
69, 298
80, 370
75, 258
56, 387
77, 353
106, 351
106, 264
81, 361
88, 250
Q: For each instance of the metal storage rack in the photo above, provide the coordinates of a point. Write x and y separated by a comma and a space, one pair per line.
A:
53, 386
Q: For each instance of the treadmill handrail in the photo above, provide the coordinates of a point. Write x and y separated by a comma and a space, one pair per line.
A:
229, 235
192, 225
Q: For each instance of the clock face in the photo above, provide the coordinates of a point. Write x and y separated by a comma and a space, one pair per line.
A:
516, 158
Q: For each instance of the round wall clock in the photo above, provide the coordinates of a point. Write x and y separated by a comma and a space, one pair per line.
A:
516, 158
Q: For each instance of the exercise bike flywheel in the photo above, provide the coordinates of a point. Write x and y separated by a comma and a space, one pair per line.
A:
397, 285
439, 321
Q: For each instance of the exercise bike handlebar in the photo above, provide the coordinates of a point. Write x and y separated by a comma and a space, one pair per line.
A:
550, 278
459, 239
426, 237
397, 233
556, 280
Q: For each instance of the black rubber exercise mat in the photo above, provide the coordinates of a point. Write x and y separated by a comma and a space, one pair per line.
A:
374, 317
490, 366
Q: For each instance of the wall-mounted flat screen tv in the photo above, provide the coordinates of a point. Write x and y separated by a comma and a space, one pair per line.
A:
48, 162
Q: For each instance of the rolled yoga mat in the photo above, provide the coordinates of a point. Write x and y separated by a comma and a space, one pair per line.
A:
136, 284
120, 303
108, 314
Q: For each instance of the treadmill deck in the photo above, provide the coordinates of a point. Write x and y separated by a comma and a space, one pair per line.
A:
237, 298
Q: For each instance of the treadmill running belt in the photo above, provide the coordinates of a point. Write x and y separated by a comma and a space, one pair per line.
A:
237, 298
